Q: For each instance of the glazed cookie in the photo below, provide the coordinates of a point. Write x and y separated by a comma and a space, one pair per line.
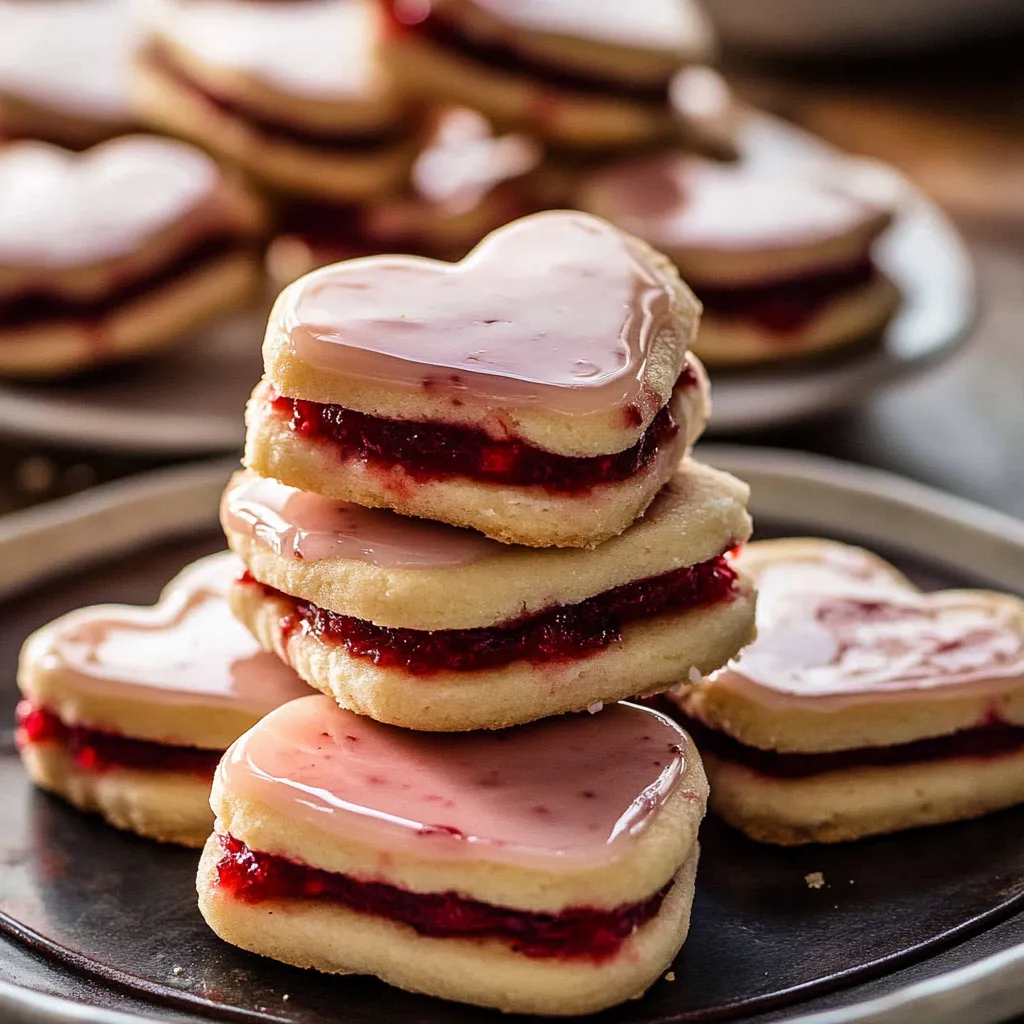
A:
591, 76
127, 710
466, 182
548, 869
289, 91
112, 253
429, 627
782, 264
864, 706
538, 391
64, 70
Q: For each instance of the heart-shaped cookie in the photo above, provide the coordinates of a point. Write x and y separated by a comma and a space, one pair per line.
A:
60, 210
558, 310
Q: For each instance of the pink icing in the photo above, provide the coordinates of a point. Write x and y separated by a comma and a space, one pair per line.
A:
186, 649
557, 308
60, 209
679, 201
673, 25
308, 527
575, 789
842, 629
321, 49
69, 55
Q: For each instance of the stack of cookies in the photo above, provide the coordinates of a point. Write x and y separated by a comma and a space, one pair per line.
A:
468, 507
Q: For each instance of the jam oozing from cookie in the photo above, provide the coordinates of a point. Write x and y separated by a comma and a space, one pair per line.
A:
981, 743
560, 634
505, 56
784, 307
95, 750
340, 141
436, 451
574, 933
36, 307
570, 792
310, 528
558, 310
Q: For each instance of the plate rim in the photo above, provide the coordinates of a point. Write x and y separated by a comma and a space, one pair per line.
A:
159, 505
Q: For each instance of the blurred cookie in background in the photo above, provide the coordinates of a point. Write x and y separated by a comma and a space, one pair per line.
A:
64, 70
590, 75
288, 90
117, 251
466, 182
782, 262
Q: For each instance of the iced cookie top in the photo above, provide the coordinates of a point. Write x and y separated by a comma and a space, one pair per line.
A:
309, 528
186, 649
558, 310
68, 55
59, 210
573, 791
836, 623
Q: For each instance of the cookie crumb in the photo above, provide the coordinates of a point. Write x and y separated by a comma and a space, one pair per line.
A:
671, 976
815, 880
177, 970
285, 997
594, 708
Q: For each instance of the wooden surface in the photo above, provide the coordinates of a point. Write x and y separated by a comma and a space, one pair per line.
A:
955, 124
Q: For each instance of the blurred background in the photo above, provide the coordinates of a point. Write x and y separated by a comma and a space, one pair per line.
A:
336, 133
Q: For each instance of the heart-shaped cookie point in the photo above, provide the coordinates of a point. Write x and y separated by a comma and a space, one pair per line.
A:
558, 309
60, 210
566, 792
185, 650
837, 624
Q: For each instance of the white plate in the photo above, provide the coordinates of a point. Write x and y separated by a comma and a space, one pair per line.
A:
189, 401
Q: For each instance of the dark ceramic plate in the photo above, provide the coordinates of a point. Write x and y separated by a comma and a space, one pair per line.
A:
93, 914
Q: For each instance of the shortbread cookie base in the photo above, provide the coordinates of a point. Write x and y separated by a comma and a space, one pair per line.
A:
697, 515
282, 163
653, 655
847, 318
22, 119
644, 865
171, 807
851, 803
483, 972
531, 516
148, 323
601, 432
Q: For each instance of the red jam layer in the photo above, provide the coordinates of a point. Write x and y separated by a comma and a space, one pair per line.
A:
437, 451
341, 141
573, 933
786, 306
560, 634
985, 741
496, 54
40, 307
97, 751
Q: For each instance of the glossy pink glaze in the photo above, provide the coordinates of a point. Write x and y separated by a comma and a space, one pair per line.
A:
308, 527
683, 202
841, 629
571, 790
558, 309
68, 55
321, 49
61, 210
673, 25
186, 649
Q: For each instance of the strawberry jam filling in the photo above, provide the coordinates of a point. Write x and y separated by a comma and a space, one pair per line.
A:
93, 750
562, 633
576, 932
339, 141
428, 24
784, 307
38, 306
437, 451
984, 741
